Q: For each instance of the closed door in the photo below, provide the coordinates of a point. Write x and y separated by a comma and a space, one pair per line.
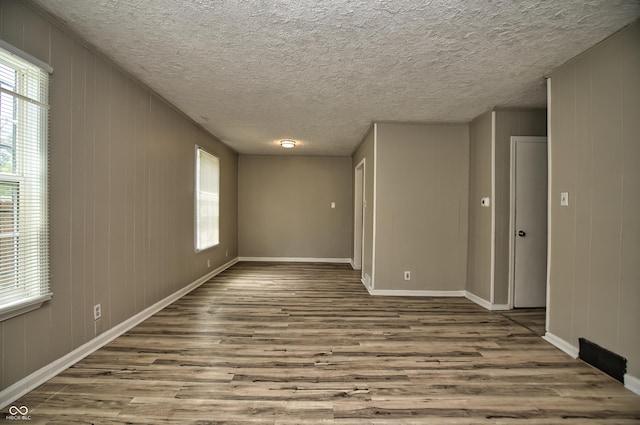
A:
530, 238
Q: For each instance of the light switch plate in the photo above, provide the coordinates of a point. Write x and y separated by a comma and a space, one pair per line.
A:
564, 199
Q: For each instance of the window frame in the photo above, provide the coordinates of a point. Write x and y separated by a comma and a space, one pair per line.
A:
30, 158
198, 236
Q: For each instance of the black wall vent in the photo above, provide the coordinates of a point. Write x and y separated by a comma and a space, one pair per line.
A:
610, 363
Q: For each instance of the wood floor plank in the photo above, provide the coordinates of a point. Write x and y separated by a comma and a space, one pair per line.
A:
275, 343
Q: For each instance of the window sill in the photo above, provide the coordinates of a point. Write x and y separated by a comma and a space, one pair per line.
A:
197, 251
23, 306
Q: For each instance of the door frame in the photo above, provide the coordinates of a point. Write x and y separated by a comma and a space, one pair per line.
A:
359, 205
512, 210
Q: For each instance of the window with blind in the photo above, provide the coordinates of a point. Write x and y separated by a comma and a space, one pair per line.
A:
24, 227
207, 200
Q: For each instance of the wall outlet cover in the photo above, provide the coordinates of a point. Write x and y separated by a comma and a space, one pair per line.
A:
97, 311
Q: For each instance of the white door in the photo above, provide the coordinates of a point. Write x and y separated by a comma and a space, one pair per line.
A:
529, 188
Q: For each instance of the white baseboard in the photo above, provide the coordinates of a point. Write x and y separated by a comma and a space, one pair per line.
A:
296, 260
354, 266
365, 285
40, 376
476, 299
414, 293
632, 383
484, 303
563, 345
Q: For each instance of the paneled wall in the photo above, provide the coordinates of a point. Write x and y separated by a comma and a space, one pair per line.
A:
594, 276
285, 206
122, 206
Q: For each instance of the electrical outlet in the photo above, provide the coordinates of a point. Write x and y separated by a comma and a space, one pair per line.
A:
208, 263
407, 275
97, 311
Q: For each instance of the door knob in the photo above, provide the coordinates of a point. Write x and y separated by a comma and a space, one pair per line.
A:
521, 233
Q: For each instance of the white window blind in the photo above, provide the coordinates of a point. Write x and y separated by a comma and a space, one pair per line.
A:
24, 224
207, 200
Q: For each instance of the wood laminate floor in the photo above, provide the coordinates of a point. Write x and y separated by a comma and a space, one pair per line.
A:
305, 343
533, 319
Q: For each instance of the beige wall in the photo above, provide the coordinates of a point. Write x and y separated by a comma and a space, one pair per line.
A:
121, 187
366, 152
490, 145
421, 206
509, 122
285, 206
595, 241
479, 246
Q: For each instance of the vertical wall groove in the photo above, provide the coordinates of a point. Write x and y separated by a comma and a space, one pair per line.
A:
121, 179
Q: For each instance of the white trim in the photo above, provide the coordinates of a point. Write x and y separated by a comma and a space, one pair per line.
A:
493, 207
374, 205
429, 293
26, 56
476, 299
414, 293
512, 223
362, 202
364, 282
549, 203
353, 265
49, 371
484, 303
561, 344
23, 306
297, 260
632, 383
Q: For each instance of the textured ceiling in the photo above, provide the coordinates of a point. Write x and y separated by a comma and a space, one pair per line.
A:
255, 71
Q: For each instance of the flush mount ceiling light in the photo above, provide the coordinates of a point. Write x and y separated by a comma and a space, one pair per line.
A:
287, 144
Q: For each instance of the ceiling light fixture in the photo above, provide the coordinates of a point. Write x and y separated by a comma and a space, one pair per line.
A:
287, 144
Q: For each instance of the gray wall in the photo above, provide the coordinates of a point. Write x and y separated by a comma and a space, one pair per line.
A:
479, 247
285, 206
595, 241
421, 206
509, 122
366, 151
122, 185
